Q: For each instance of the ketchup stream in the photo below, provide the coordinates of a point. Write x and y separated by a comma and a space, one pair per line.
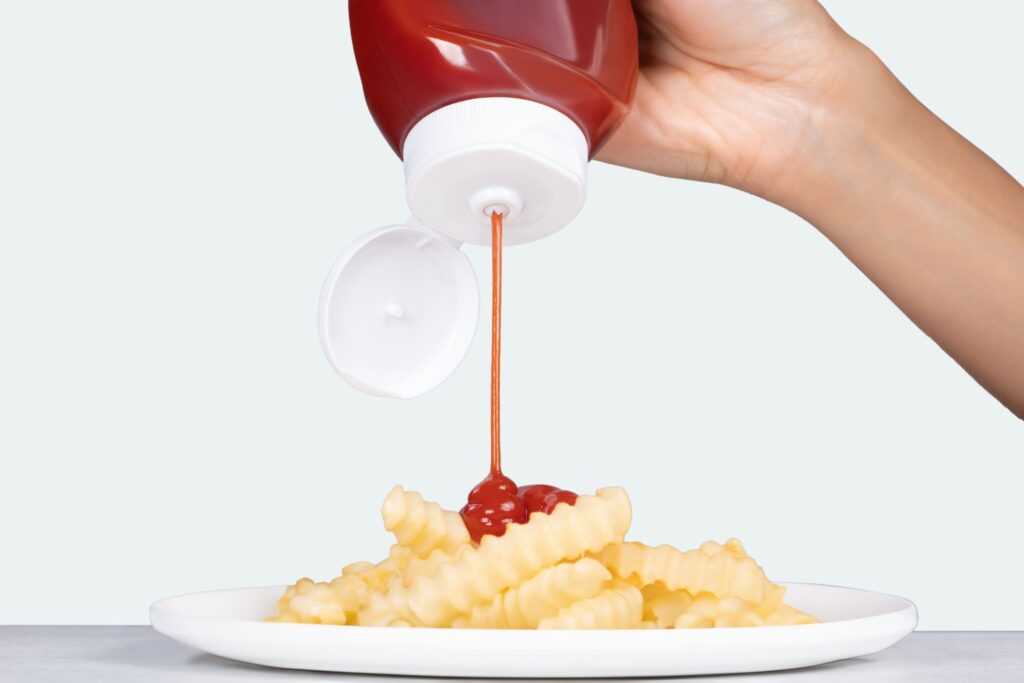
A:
496, 229
496, 501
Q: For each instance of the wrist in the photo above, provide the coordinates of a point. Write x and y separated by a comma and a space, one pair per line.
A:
857, 118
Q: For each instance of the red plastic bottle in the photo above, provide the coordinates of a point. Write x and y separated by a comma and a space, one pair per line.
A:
576, 56
494, 106
462, 87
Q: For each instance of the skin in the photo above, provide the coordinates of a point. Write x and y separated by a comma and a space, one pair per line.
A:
773, 98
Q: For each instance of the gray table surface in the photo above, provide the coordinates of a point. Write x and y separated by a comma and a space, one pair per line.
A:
112, 654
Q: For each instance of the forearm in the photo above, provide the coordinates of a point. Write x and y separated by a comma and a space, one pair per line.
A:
930, 219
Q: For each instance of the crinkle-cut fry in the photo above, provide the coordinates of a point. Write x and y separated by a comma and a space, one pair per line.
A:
360, 567
502, 562
388, 607
709, 611
650, 591
732, 547
712, 568
539, 597
307, 602
349, 592
663, 609
786, 615
338, 601
620, 606
773, 592
380, 575
427, 566
420, 525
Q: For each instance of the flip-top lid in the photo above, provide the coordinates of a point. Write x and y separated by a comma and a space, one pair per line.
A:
398, 310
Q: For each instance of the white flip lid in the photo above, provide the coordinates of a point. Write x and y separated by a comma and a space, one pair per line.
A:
399, 310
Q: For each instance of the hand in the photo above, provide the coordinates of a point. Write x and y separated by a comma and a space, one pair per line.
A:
728, 89
772, 97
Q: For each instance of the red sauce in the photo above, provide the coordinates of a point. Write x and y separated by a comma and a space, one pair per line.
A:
544, 498
496, 501
492, 505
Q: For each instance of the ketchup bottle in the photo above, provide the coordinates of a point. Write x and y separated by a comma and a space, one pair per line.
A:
494, 106
496, 103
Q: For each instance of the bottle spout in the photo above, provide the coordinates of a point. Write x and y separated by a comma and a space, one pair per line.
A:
489, 200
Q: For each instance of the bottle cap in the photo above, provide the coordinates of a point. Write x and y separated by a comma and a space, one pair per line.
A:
398, 310
522, 158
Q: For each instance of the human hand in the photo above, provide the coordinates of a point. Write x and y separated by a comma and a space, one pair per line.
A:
729, 89
772, 97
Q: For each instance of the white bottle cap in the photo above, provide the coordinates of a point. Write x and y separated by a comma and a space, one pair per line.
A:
399, 310
515, 156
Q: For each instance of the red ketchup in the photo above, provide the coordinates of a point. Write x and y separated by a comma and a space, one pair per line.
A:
496, 501
416, 56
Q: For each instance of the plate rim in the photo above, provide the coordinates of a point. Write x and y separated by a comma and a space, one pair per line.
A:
159, 607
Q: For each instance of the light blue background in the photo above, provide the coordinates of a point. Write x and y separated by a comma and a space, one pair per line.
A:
176, 178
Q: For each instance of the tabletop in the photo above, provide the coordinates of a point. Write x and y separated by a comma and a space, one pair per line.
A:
117, 654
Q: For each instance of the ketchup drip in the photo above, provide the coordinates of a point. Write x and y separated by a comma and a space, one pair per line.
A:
496, 501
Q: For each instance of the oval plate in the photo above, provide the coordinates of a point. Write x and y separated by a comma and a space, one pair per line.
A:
229, 623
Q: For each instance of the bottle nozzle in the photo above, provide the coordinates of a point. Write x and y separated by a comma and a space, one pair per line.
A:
490, 200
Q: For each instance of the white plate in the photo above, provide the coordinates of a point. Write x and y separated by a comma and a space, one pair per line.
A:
229, 623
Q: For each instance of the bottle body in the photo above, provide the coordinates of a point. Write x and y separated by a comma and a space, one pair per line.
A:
578, 57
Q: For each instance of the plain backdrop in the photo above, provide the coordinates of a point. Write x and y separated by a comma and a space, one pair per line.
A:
176, 179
